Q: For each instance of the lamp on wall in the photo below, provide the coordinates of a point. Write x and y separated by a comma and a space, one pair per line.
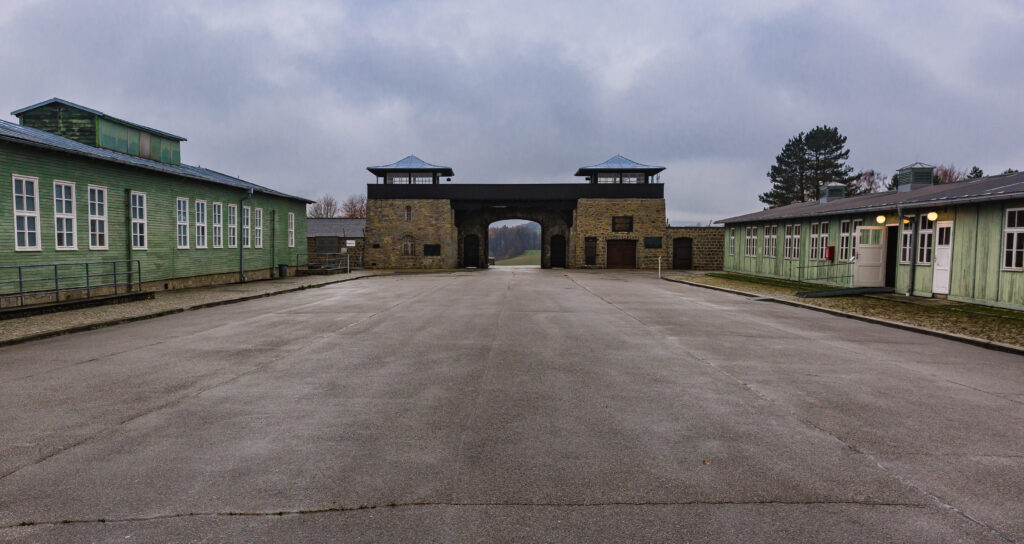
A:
880, 220
932, 216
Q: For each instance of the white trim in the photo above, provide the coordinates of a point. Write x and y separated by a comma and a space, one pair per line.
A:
1016, 235
200, 226
63, 217
732, 241
181, 222
246, 226
32, 214
257, 231
140, 232
232, 225
217, 224
907, 239
101, 219
925, 241
291, 229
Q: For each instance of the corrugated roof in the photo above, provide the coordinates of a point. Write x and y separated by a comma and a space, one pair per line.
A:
618, 163
1003, 187
17, 113
412, 163
40, 138
341, 227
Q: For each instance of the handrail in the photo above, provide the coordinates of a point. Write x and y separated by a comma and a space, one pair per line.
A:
827, 265
27, 279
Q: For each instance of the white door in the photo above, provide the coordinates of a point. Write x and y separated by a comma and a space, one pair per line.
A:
943, 257
869, 267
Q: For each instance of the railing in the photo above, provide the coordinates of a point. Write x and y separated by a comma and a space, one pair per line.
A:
39, 282
831, 273
323, 261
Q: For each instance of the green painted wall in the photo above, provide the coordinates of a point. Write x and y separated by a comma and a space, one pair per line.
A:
162, 260
62, 120
976, 273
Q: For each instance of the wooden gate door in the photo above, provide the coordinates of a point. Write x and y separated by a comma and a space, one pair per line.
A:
682, 253
869, 265
558, 251
943, 257
471, 251
621, 254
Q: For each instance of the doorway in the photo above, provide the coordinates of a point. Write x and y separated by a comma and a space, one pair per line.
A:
892, 241
682, 253
471, 251
943, 257
621, 254
557, 251
869, 268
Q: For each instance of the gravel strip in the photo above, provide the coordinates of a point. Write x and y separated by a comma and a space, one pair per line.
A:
166, 302
943, 318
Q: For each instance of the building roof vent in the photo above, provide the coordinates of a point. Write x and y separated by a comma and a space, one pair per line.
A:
833, 191
915, 176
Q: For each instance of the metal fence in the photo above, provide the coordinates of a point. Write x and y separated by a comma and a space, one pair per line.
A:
42, 283
837, 273
323, 261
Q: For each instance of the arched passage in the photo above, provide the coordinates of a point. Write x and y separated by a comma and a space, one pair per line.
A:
473, 225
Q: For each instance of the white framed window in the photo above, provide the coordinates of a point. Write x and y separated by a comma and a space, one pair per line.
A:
64, 218
139, 225
97, 217
907, 240
814, 243
750, 242
257, 234
232, 225
408, 246
792, 242
732, 241
26, 213
823, 240
845, 240
217, 224
408, 213
201, 224
182, 222
291, 229
246, 219
770, 237
925, 238
1013, 240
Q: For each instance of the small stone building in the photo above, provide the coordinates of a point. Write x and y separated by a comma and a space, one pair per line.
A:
335, 239
615, 219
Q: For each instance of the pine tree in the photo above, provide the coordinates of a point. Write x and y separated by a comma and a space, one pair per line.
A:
788, 175
975, 173
827, 154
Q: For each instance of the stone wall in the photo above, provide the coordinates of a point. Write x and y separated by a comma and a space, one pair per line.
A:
355, 253
708, 245
593, 218
432, 222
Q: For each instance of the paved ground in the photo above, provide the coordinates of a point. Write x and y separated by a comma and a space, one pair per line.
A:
13, 330
509, 405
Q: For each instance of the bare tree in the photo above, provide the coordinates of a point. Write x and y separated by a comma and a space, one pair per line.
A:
949, 174
868, 181
354, 207
324, 207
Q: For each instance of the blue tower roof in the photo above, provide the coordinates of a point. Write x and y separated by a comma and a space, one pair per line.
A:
618, 163
412, 163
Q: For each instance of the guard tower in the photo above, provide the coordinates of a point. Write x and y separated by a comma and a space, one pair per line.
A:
619, 169
411, 170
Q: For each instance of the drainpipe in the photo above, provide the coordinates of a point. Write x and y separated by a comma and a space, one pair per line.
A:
241, 225
913, 254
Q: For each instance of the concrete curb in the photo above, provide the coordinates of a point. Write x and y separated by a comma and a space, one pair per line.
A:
997, 346
161, 313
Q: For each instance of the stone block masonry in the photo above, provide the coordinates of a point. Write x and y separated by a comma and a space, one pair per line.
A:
423, 223
593, 219
708, 245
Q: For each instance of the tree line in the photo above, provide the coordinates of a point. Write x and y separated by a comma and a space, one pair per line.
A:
506, 242
326, 206
814, 159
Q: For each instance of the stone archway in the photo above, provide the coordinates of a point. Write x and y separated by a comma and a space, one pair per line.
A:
554, 222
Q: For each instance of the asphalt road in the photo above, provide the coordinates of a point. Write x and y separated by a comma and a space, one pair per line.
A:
509, 405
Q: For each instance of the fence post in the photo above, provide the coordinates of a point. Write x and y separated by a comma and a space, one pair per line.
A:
21, 288
88, 284
138, 275
56, 282
348, 264
115, 277
659, 267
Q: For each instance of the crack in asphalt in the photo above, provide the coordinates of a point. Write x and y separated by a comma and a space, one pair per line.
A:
449, 504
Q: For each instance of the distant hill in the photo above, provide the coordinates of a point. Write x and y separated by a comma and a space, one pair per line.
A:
507, 242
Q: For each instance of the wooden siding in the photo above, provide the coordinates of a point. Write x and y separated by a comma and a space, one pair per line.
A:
162, 260
63, 120
976, 273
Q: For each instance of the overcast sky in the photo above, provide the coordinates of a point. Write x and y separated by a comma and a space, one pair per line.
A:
302, 96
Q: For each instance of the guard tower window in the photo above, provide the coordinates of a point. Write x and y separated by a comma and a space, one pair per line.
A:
398, 178
632, 178
408, 213
423, 179
607, 178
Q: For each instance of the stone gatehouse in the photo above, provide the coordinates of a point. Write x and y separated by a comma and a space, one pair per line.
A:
615, 219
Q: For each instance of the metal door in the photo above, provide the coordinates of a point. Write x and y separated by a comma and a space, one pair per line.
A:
869, 266
943, 257
471, 251
621, 254
682, 253
558, 251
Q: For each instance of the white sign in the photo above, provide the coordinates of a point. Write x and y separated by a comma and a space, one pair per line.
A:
350, 243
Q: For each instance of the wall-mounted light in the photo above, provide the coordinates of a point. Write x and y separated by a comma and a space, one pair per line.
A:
932, 216
880, 220
906, 221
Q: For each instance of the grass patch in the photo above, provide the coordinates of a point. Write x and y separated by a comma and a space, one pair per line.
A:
795, 285
529, 257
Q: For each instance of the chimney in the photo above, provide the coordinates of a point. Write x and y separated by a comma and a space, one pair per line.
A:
915, 176
832, 191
